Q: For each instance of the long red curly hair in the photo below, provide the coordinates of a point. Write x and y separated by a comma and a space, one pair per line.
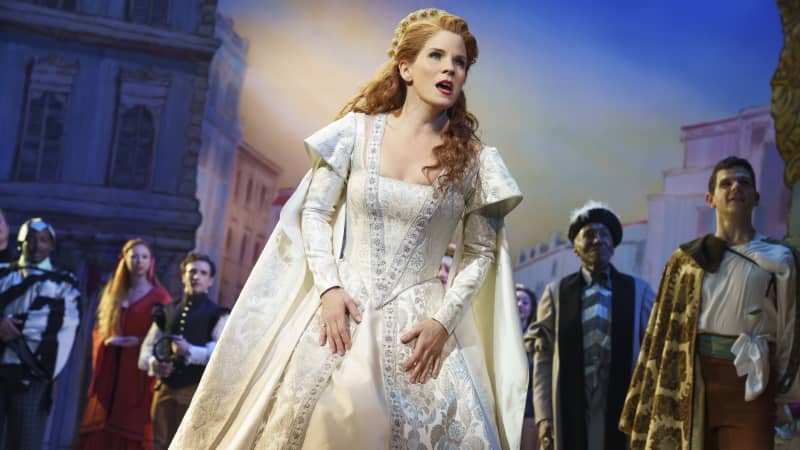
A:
386, 92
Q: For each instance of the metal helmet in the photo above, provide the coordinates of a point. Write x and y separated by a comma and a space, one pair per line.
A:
36, 224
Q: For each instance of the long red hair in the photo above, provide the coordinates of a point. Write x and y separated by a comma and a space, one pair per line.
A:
108, 310
387, 91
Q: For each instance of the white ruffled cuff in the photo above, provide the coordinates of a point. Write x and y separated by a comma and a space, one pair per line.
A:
751, 358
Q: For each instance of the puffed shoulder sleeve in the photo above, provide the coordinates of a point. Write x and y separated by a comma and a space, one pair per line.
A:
494, 192
333, 144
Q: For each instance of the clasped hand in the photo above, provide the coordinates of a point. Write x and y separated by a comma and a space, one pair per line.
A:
545, 427
9, 329
163, 369
122, 341
180, 346
427, 336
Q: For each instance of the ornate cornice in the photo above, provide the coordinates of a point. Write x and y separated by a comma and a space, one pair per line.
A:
53, 73
141, 75
106, 31
56, 60
144, 86
786, 92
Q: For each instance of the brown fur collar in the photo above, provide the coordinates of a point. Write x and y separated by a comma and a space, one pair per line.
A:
707, 251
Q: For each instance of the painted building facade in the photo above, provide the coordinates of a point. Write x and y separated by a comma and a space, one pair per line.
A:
249, 219
222, 133
102, 104
680, 214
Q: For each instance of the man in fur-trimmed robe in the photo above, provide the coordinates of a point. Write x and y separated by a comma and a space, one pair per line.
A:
720, 349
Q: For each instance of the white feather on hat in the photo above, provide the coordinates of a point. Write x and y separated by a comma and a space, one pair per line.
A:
583, 211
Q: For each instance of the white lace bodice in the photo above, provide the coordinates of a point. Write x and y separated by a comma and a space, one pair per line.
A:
396, 232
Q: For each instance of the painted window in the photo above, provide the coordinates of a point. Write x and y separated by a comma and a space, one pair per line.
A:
238, 185
243, 248
134, 149
133, 159
249, 192
257, 251
69, 5
40, 147
263, 203
149, 12
39, 156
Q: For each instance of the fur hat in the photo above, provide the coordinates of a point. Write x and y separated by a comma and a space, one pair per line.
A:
595, 212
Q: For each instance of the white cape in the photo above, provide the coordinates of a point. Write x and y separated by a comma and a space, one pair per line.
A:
273, 309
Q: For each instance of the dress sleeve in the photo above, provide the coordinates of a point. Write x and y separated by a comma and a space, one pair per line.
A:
494, 191
165, 297
333, 145
480, 243
493, 194
330, 150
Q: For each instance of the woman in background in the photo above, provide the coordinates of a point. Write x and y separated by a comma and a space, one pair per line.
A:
526, 304
118, 412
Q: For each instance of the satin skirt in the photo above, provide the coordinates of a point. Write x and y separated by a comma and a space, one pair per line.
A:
364, 400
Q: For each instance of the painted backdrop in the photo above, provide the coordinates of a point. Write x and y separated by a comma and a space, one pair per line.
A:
584, 99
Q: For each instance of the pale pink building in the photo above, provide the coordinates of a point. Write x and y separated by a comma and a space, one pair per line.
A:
281, 198
249, 219
680, 213
221, 134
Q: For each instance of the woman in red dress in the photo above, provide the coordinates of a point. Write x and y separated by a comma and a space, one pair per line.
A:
118, 412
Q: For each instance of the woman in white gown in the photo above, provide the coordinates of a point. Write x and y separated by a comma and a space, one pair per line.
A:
343, 336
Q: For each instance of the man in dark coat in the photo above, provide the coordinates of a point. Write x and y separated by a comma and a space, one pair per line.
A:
189, 329
585, 340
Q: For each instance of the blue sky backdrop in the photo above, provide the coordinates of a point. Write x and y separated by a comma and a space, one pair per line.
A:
584, 99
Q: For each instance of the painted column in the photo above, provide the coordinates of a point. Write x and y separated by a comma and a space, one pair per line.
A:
786, 108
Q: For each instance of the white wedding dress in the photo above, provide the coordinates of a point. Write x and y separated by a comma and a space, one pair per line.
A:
271, 385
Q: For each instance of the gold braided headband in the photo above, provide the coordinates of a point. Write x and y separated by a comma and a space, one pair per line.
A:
420, 15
